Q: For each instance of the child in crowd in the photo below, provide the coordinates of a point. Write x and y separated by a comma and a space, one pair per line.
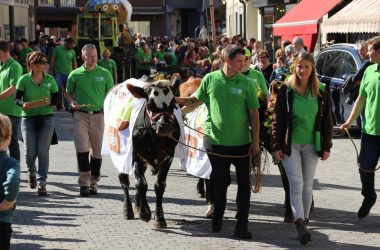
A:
9, 183
281, 72
279, 75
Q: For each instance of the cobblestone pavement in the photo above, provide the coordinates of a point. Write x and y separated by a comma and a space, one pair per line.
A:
64, 220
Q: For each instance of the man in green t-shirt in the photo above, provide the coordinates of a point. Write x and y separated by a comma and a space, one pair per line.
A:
143, 60
232, 109
63, 61
370, 141
10, 72
24, 52
109, 64
87, 87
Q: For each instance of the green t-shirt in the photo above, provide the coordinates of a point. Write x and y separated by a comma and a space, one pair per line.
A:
305, 110
10, 72
228, 101
173, 59
109, 65
23, 55
370, 88
259, 81
34, 92
89, 87
63, 59
140, 57
160, 55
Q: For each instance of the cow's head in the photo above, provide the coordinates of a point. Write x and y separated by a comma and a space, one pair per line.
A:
160, 104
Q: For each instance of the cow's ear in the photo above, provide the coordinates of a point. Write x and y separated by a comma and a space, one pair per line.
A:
137, 91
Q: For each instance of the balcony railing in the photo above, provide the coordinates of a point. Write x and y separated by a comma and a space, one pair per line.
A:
46, 3
67, 3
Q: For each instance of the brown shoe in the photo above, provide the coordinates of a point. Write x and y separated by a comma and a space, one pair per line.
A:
32, 181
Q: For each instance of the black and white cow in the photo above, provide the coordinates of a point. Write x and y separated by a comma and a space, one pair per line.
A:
152, 146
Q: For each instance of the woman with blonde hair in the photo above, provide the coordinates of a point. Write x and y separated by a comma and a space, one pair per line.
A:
36, 93
302, 131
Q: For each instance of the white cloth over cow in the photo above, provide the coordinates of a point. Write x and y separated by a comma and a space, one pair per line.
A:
117, 144
196, 163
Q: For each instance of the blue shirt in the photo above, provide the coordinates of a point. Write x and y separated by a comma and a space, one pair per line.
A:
9, 184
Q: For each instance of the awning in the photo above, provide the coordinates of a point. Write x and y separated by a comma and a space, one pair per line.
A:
303, 21
359, 16
303, 18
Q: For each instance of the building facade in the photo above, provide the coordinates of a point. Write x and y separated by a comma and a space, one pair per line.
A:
16, 19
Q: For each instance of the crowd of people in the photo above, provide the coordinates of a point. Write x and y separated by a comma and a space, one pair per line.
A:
36, 77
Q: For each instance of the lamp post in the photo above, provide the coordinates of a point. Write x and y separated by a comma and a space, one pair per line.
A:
212, 17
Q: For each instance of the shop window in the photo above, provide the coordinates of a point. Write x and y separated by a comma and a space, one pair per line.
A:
7, 32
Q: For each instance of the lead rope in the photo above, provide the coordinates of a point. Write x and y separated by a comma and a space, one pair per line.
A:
254, 163
357, 154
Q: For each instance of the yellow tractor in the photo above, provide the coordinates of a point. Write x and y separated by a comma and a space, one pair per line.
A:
104, 23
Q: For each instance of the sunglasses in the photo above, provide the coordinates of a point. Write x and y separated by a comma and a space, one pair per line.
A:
42, 62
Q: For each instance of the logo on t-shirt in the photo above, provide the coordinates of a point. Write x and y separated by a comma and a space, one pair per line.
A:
99, 78
48, 85
236, 91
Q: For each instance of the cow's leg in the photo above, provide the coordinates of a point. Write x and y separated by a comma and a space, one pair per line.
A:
141, 189
201, 188
288, 217
159, 188
127, 207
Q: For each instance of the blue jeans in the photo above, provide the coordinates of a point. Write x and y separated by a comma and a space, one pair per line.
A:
368, 159
61, 80
14, 149
300, 168
37, 132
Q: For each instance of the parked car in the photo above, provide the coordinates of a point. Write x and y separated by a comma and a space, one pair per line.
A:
333, 65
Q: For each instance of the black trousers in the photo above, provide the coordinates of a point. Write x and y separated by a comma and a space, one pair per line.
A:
368, 158
5, 235
221, 179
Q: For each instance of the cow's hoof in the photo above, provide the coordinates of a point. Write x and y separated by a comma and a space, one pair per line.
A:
128, 215
145, 213
160, 223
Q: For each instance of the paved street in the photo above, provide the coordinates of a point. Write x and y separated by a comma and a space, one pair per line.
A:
64, 220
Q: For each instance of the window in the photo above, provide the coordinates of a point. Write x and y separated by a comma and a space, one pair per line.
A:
330, 63
20, 32
24, 2
68, 3
106, 27
88, 27
336, 64
7, 32
347, 66
45, 2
